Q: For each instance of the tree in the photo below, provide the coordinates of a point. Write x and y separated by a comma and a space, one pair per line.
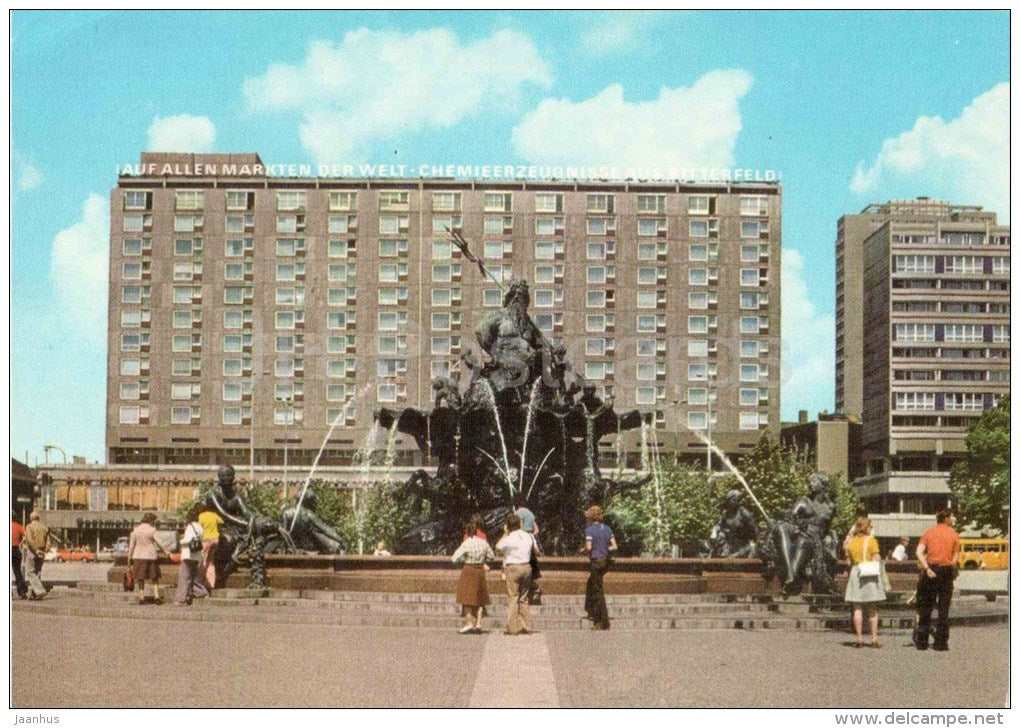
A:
774, 475
980, 481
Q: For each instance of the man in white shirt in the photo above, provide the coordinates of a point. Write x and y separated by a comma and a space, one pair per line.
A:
516, 546
900, 552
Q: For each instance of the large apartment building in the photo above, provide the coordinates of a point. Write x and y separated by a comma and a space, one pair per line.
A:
247, 308
922, 345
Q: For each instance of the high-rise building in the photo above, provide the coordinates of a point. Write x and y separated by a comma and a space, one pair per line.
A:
922, 345
247, 307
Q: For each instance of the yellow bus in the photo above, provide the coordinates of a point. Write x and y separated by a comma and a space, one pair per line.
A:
984, 553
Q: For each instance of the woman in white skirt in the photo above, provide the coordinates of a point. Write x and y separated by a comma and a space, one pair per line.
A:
864, 590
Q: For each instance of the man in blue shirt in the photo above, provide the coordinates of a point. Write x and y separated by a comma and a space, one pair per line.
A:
529, 525
598, 542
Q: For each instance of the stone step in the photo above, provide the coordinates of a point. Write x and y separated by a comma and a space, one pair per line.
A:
271, 614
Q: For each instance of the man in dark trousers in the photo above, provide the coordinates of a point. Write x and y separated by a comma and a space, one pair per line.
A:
17, 536
598, 542
937, 555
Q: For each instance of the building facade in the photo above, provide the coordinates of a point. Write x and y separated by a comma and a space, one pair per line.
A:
928, 282
251, 308
831, 444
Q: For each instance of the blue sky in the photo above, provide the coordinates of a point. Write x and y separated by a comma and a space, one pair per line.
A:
851, 107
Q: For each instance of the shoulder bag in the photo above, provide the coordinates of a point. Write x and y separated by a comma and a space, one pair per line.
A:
868, 569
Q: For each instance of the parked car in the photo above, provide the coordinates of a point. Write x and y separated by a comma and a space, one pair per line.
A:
121, 547
51, 555
75, 554
104, 555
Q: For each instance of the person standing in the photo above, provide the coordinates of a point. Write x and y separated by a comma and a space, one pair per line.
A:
598, 542
530, 525
17, 536
937, 555
472, 591
33, 554
864, 592
143, 558
516, 547
191, 579
900, 552
210, 522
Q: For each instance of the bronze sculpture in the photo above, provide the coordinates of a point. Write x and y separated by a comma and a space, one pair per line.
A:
308, 531
735, 534
800, 547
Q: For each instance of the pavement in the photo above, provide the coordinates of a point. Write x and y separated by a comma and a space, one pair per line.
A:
120, 662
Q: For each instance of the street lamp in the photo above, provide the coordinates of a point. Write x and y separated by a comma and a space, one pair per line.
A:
47, 448
288, 402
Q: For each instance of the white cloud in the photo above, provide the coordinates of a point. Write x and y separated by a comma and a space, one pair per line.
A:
379, 84
79, 269
29, 176
682, 128
809, 340
615, 30
965, 160
181, 133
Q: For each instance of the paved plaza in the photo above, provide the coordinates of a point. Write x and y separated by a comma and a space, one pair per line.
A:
117, 662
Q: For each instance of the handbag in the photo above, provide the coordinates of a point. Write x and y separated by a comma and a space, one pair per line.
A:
129, 580
868, 569
195, 544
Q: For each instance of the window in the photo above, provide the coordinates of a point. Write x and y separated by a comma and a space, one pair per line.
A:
545, 273
498, 202
548, 225
188, 200
231, 416
183, 246
180, 415
754, 205
596, 370
133, 271
391, 224
749, 348
697, 421
182, 390
915, 332
749, 277
441, 321
644, 395
598, 202
232, 343
130, 415
600, 225
133, 246
444, 201
130, 390
749, 325
753, 228
393, 200
336, 392
233, 368
239, 200
646, 347
749, 372
646, 323
698, 276
645, 371
286, 272
136, 200
130, 319
442, 273
544, 250
748, 301
594, 347
340, 200
914, 263
596, 274
698, 396
1000, 334
697, 324
748, 420
236, 223
915, 400
284, 319
186, 223
595, 299
595, 323
704, 228
495, 248
651, 226
130, 367
548, 202
1000, 265
181, 342
964, 401
697, 299
493, 298
749, 398
181, 367
233, 294
498, 225
290, 200
953, 332
182, 319
749, 253
700, 205
596, 251
697, 347
964, 264
646, 299
647, 276
651, 204
233, 248
698, 252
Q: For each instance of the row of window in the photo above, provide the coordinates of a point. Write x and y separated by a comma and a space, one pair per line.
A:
944, 401
953, 239
447, 201
951, 332
998, 265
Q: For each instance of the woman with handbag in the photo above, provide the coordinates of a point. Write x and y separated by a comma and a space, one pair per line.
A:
472, 591
864, 587
143, 559
190, 579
